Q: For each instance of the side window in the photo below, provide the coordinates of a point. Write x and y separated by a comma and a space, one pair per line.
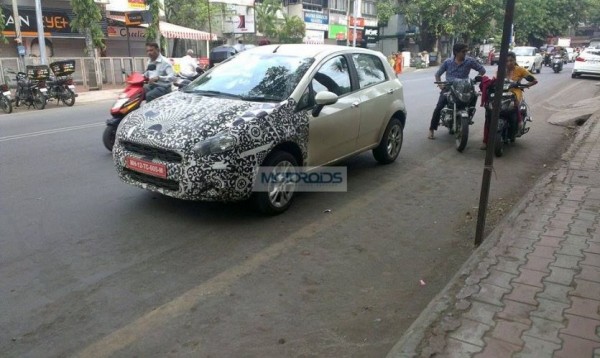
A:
333, 76
370, 69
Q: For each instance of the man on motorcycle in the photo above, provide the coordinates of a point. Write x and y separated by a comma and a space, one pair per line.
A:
458, 66
515, 74
160, 79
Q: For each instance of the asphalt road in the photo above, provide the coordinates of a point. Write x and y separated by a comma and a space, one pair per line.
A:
90, 266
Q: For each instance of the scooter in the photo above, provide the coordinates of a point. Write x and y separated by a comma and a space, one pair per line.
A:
128, 101
557, 63
183, 81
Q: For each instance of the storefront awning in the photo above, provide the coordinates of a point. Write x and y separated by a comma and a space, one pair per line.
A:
172, 31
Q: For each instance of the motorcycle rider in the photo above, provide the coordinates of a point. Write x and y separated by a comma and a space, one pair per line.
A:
514, 73
457, 67
188, 65
160, 79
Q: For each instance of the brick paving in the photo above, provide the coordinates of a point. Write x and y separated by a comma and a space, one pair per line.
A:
534, 292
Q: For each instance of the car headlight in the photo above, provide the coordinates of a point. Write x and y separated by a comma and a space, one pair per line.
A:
215, 145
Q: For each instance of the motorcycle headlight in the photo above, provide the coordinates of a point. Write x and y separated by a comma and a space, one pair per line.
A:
215, 145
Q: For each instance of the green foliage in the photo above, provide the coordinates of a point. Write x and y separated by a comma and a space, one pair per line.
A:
191, 13
267, 21
152, 34
385, 10
87, 21
292, 29
2, 22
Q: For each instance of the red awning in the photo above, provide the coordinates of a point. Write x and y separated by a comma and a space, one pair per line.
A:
171, 31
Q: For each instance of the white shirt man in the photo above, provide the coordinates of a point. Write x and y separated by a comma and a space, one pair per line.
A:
188, 64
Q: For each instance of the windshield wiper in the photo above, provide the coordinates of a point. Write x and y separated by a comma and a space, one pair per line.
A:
262, 98
212, 93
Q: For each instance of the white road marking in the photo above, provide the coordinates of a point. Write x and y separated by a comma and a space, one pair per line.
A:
50, 131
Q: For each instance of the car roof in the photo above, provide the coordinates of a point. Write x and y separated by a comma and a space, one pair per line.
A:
316, 51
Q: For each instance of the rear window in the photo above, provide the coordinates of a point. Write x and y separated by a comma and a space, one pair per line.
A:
219, 56
592, 52
523, 51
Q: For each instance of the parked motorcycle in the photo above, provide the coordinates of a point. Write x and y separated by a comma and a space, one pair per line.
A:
31, 87
182, 81
61, 87
557, 63
507, 109
458, 113
128, 101
5, 95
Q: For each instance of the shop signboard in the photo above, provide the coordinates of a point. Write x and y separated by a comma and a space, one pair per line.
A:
57, 22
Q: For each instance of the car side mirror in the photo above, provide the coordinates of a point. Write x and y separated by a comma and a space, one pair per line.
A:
323, 99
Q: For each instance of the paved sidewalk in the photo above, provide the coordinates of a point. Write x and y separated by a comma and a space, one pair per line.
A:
533, 288
107, 93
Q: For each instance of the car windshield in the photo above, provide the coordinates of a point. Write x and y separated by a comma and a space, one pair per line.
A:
523, 51
254, 77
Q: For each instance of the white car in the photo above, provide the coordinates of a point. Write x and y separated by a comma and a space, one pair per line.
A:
275, 106
587, 63
529, 58
570, 53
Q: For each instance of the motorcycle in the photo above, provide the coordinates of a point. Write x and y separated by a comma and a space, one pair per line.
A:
557, 63
31, 87
458, 114
128, 101
507, 108
182, 81
6, 96
61, 87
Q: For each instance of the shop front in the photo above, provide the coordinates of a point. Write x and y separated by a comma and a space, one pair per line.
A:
317, 25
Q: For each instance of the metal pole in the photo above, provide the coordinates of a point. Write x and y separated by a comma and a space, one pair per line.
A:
40, 30
128, 42
209, 31
489, 155
355, 18
18, 38
348, 18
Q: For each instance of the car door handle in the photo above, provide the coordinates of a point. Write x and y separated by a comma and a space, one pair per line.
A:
355, 104
391, 91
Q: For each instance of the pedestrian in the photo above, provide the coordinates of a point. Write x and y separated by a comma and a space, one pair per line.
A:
456, 67
392, 59
159, 79
398, 63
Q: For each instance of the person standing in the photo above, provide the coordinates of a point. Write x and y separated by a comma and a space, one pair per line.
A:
159, 79
456, 67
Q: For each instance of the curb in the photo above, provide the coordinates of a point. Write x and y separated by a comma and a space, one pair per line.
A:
413, 337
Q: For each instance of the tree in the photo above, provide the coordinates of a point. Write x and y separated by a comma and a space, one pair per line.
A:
292, 29
267, 20
153, 32
87, 21
385, 10
190, 13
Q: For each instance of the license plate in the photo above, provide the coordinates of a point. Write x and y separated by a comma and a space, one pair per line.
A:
146, 167
43, 90
6, 94
71, 87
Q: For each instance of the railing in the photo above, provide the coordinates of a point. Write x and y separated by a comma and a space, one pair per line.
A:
85, 69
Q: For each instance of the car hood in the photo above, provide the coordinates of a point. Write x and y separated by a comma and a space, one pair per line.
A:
179, 120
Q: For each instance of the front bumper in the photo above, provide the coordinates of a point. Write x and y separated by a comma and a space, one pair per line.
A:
189, 176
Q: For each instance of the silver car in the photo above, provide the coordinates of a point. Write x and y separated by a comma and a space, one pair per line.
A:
529, 57
275, 106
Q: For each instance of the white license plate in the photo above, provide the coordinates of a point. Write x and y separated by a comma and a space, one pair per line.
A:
6, 94
43, 90
71, 87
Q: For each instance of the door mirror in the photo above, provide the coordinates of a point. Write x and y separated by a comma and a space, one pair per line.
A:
323, 99
326, 98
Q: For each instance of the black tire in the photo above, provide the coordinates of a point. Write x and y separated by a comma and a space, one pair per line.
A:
391, 143
574, 75
39, 100
68, 97
276, 202
108, 137
538, 70
499, 145
462, 136
6, 105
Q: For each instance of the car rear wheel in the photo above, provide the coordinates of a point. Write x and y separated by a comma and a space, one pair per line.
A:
389, 147
280, 192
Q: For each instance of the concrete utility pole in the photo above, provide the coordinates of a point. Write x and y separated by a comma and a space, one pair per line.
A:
18, 38
40, 29
348, 19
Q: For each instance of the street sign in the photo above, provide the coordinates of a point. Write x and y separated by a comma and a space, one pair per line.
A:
134, 18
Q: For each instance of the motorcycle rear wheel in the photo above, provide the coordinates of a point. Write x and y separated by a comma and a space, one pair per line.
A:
39, 100
6, 105
68, 97
499, 145
462, 135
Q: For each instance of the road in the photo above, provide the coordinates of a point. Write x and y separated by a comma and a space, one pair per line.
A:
90, 266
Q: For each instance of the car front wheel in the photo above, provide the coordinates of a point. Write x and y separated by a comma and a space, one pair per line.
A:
389, 147
280, 186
